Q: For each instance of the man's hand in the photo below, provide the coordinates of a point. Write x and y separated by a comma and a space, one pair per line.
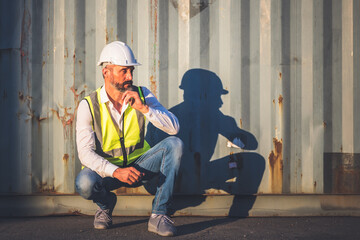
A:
129, 175
134, 100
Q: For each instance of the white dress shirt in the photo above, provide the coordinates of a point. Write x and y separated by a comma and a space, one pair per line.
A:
158, 115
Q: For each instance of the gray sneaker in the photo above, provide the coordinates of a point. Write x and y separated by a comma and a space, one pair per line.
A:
103, 218
162, 225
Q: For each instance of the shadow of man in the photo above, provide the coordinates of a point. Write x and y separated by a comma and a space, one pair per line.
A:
201, 122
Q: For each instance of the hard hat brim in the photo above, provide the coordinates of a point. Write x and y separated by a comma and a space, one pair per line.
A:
124, 65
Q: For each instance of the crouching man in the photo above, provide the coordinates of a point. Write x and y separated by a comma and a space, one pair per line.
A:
110, 130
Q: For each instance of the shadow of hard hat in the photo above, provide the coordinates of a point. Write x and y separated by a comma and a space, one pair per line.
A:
203, 79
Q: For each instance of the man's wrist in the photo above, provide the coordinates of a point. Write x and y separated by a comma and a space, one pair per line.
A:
144, 109
113, 175
110, 169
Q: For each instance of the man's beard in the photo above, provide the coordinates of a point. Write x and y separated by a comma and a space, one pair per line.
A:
120, 87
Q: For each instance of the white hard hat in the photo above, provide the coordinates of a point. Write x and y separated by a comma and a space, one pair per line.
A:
118, 53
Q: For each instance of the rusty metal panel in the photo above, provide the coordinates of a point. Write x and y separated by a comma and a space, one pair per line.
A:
342, 173
281, 75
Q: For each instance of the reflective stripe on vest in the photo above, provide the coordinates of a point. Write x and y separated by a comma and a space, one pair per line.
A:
107, 134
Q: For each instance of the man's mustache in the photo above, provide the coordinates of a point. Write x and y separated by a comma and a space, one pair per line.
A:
127, 82
121, 88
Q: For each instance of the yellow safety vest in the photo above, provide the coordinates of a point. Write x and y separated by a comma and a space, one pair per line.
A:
119, 146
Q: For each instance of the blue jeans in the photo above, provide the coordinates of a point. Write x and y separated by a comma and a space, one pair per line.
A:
163, 160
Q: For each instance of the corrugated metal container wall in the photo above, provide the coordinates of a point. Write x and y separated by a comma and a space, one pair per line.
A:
281, 75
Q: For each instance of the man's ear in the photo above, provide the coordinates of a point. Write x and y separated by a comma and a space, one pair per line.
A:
104, 72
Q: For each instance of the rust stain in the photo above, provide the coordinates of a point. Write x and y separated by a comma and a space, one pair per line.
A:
74, 70
154, 4
280, 75
280, 99
154, 25
43, 187
66, 55
107, 35
346, 179
276, 166
343, 173
30, 113
241, 123
76, 96
21, 96
39, 119
67, 118
75, 212
66, 158
111, 33
153, 86
324, 124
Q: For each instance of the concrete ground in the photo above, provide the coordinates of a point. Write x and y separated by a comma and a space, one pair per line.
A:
80, 227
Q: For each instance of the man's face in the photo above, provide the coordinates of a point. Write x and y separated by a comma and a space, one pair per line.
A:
119, 77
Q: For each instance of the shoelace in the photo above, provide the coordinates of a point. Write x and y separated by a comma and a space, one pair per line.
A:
103, 215
168, 219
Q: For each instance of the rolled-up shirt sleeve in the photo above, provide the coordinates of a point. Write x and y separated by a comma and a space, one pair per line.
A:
85, 141
159, 116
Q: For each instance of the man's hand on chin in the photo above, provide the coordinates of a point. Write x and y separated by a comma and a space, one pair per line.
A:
132, 98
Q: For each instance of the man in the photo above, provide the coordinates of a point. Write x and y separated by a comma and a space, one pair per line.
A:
110, 130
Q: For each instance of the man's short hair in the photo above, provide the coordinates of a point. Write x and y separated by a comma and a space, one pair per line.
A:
104, 64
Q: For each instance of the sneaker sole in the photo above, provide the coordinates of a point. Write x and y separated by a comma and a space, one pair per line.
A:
154, 230
100, 227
